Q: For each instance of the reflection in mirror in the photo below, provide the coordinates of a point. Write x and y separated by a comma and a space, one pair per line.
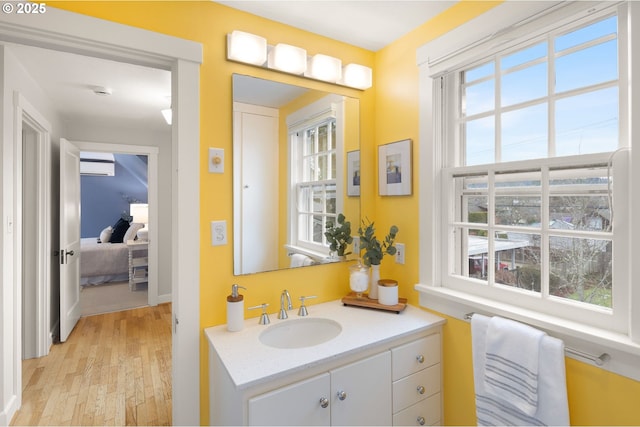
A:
295, 169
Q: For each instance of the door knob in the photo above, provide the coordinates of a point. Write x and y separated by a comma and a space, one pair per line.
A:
342, 395
324, 402
69, 253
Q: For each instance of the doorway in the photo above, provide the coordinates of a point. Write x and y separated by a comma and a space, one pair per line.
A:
66, 31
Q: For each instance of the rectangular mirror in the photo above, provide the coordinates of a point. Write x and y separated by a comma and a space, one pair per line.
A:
295, 169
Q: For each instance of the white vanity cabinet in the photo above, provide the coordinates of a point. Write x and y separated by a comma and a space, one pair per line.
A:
356, 394
382, 369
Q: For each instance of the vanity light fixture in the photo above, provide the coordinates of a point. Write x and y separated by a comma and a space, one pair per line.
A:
251, 49
287, 58
356, 75
246, 47
324, 67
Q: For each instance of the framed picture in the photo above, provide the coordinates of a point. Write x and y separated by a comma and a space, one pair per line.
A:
353, 173
394, 168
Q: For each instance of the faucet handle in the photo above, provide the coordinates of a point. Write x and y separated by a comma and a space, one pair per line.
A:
302, 311
264, 317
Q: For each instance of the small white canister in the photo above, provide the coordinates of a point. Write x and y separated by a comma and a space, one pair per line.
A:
387, 292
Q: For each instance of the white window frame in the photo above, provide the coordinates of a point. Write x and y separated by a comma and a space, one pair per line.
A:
464, 46
329, 107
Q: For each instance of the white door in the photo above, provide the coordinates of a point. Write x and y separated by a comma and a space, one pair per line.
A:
69, 238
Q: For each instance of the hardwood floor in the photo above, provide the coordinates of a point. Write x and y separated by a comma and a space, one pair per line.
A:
115, 369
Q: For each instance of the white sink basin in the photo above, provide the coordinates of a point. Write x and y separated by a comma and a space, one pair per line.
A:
298, 333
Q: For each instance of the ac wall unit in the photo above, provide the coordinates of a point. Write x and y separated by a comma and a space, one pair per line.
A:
97, 164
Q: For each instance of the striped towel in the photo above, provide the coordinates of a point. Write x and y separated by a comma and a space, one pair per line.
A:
511, 370
552, 407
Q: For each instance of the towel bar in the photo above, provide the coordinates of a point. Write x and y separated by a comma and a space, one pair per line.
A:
598, 360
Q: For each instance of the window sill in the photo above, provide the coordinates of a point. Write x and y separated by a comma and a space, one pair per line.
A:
625, 354
317, 257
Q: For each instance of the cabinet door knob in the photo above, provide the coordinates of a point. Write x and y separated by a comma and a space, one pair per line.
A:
420, 358
420, 389
324, 402
421, 421
342, 395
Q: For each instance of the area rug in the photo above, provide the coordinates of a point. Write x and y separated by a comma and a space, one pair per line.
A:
111, 297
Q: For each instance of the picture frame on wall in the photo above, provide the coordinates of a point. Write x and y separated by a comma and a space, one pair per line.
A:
353, 173
394, 168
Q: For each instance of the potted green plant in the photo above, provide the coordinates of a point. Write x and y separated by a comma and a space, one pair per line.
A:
338, 235
375, 250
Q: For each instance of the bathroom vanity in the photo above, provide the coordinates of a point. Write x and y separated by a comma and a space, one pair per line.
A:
337, 366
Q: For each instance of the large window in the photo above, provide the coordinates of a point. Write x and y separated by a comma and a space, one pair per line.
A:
315, 195
316, 184
534, 168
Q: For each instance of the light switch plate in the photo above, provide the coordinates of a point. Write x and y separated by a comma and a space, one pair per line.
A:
218, 233
216, 160
400, 253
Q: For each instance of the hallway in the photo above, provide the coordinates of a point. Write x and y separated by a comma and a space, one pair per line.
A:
115, 369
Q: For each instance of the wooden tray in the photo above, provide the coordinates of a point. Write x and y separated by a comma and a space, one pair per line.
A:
365, 302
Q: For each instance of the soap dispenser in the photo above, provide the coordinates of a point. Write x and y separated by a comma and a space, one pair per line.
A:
235, 309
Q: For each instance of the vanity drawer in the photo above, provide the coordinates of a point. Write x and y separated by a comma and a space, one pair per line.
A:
414, 356
416, 387
426, 412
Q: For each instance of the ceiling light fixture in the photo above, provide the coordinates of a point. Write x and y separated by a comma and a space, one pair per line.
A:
254, 50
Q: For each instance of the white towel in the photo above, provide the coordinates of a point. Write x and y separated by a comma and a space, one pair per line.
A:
553, 406
511, 369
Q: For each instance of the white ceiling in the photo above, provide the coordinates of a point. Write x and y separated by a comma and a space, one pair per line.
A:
370, 24
139, 93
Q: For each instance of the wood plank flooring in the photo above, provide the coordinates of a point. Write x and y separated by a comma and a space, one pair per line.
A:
115, 369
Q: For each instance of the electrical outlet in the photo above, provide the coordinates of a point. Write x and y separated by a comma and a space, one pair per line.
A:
399, 253
218, 233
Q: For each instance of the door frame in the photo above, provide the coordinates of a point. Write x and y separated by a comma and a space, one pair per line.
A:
152, 199
27, 113
85, 35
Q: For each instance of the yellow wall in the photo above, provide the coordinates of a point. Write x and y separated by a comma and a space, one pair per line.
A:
389, 112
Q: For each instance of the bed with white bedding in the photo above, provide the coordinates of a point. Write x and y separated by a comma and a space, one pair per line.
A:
103, 262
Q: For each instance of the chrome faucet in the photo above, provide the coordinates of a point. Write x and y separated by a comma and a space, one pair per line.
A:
283, 311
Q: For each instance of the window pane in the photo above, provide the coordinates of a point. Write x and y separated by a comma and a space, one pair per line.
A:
580, 270
524, 85
322, 138
332, 170
332, 145
523, 56
586, 67
518, 260
304, 227
304, 199
318, 228
476, 208
309, 142
479, 98
479, 72
587, 123
480, 141
524, 133
318, 199
308, 169
477, 253
592, 32
331, 199
524, 211
322, 168
579, 212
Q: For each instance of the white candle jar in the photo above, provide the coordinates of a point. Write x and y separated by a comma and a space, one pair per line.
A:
359, 279
387, 292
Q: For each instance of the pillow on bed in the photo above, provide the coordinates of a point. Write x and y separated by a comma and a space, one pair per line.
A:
119, 229
105, 235
132, 231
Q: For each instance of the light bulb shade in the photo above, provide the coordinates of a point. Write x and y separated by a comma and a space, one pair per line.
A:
247, 48
357, 76
139, 212
287, 58
167, 114
324, 67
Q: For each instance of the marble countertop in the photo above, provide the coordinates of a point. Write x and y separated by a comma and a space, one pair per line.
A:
249, 362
